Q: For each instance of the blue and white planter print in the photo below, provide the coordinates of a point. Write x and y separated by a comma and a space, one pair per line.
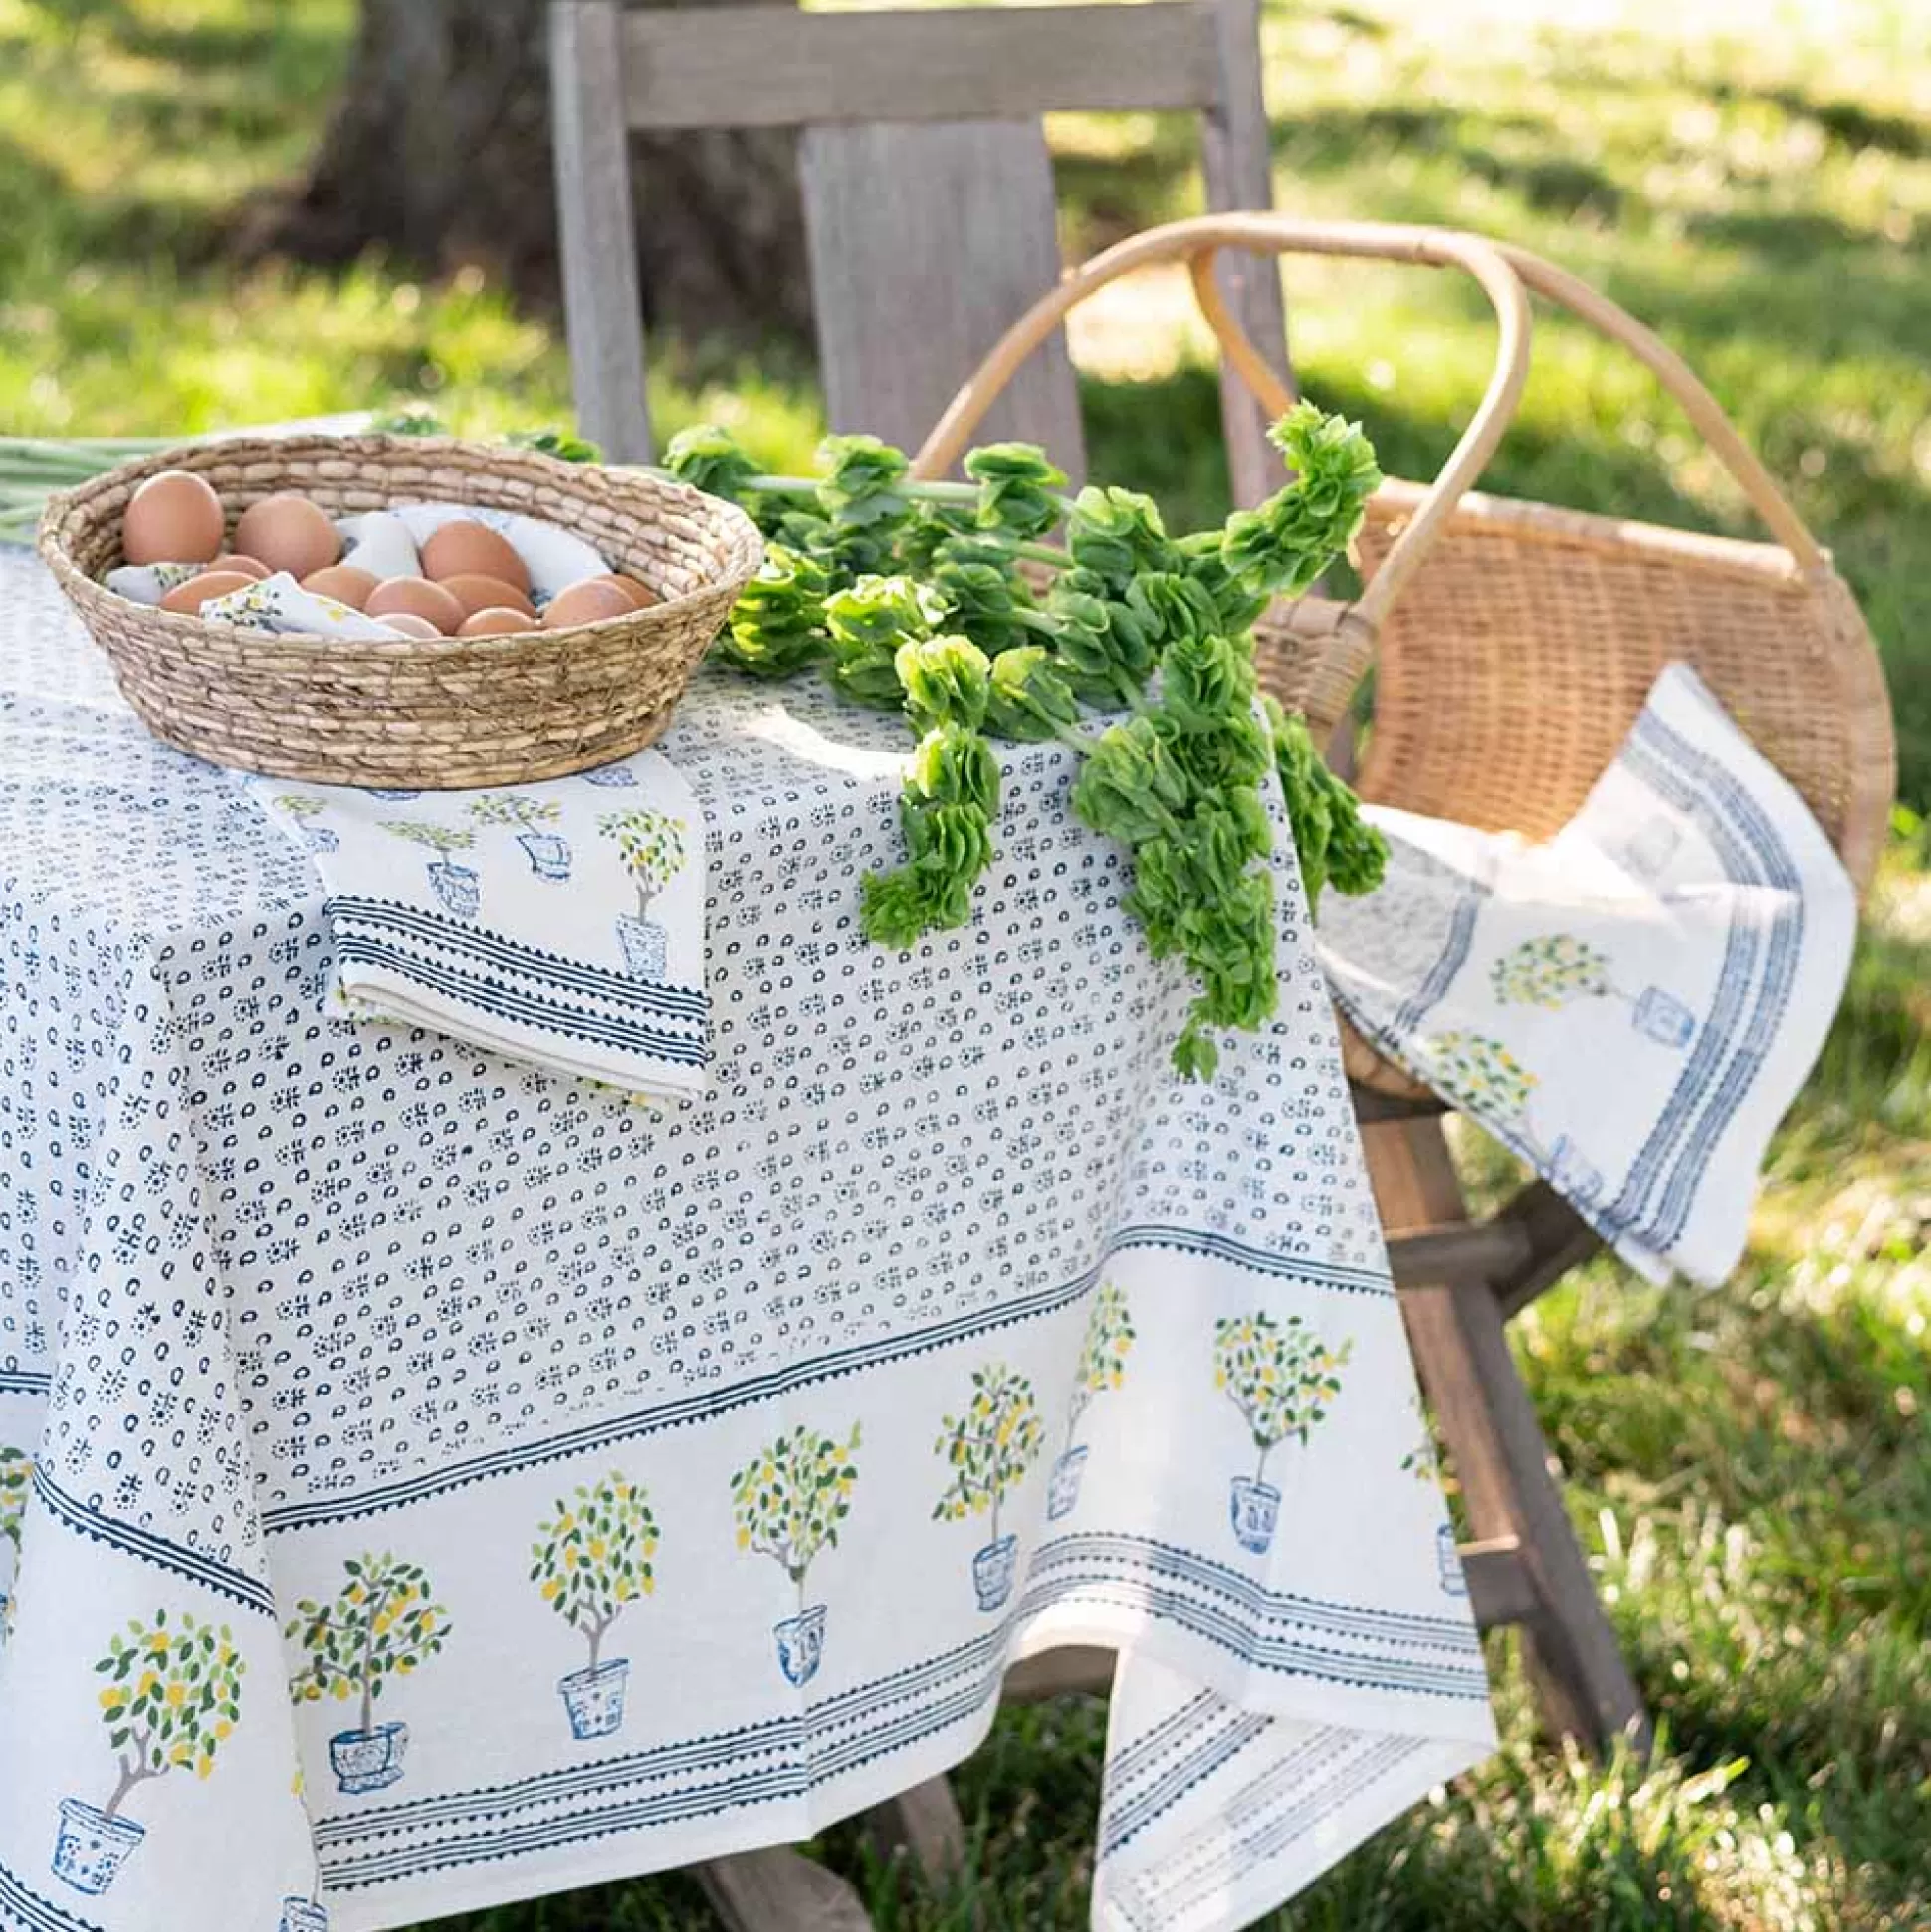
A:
1663, 1017
1254, 1508
802, 1645
91, 1847
302, 1915
1063, 1489
992, 1571
373, 793
1571, 1176
594, 1698
318, 838
457, 886
368, 1760
645, 946
612, 777
1448, 1562
549, 854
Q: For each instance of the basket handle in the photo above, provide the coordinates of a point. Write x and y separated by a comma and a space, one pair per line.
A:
1685, 389
1197, 241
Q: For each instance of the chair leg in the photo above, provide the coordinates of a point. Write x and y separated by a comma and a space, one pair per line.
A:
1496, 1447
780, 1890
922, 1823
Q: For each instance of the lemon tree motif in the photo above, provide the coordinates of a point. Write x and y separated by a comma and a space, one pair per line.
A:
384, 1623
989, 1449
302, 807
651, 844
1283, 1378
549, 852
789, 1502
514, 811
1556, 967
1482, 1072
172, 1700
1102, 1366
652, 848
590, 1559
439, 838
1549, 971
454, 884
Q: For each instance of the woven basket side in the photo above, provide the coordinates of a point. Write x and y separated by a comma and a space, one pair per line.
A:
1513, 666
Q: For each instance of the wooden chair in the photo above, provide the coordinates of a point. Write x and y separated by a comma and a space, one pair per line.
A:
928, 188
1513, 644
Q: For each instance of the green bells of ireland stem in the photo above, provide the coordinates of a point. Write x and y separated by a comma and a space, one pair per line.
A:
941, 599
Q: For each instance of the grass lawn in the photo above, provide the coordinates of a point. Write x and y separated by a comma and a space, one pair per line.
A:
1751, 1468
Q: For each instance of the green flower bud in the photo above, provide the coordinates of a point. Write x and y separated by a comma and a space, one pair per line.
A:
860, 485
943, 677
984, 603
1029, 697
708, 458
777, 625
1117, 534
1016, 486
1206, 681
953, 765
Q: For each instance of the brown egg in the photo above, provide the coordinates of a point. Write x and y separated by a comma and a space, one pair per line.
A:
589, 602
190, 596
497, 622
247, 566
347, 583
288, 533
476, 594
409, 625
640, 597
173, 517
463, 549
418, 597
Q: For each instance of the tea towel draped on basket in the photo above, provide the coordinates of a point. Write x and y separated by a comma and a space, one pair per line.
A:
1630, 1006
559, 923
427, 1479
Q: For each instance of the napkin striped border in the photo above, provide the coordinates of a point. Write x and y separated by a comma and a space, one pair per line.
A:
521, 984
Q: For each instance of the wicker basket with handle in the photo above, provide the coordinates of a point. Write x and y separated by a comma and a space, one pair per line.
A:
441, 714
1514, 642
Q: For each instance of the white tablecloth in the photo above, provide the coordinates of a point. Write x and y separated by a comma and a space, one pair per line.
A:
451, 1482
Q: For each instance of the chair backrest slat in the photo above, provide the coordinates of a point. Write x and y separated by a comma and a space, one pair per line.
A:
925, 242
602, 305
774, 67
927, 182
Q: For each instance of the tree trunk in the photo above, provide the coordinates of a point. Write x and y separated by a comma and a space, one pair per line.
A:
439, 151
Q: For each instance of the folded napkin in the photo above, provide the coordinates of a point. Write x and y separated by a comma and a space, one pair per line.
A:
560, 923
1630, 1006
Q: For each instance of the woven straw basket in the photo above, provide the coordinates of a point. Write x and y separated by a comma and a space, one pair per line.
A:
442, 714
1514, 643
